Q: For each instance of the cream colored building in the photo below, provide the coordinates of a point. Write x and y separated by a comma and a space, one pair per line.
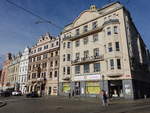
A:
44, 66
102, 49
13, 72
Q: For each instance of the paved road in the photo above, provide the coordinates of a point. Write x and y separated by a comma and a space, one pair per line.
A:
74, 105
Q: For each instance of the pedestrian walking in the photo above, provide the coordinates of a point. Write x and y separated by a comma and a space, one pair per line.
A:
104, 98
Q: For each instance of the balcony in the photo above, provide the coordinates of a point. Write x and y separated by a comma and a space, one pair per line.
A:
84, 34
87, 60
67, 78
111, 21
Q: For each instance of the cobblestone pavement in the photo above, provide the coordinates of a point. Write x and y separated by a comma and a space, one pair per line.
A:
54, 104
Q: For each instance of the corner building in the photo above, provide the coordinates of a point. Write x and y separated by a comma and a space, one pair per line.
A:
102, 49
44, 66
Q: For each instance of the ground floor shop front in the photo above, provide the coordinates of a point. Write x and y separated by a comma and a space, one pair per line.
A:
128, 89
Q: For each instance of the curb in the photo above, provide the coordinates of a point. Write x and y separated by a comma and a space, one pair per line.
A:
2, 104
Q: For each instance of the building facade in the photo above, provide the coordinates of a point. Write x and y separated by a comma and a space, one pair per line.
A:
44, 65
23, 70
4, 77
102, 49
13, 72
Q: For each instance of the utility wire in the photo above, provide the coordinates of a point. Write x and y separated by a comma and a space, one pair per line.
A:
30, 12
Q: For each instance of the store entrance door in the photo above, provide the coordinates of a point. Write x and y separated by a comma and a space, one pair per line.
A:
77, 88
115, 88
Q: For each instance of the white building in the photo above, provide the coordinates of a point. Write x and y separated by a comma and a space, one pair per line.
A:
23, 70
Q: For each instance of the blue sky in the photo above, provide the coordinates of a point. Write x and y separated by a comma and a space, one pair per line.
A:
18, 28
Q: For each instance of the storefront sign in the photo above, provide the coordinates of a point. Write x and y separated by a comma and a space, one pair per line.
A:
79, 78
93, 77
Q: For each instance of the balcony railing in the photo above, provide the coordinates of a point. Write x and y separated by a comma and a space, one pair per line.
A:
87, 60
83, 34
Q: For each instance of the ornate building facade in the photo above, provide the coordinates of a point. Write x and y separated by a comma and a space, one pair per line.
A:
44, 65
102, 49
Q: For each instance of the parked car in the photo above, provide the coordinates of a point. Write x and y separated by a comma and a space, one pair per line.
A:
5, 93
32, 94
16, 93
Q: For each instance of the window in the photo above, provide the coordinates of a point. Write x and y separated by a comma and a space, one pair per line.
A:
44, 65
68, 57
96, 52
77, 56
38, 58
33, 75
115, 30
86, 68
46, 47
85, 40
45, 56
96, 67
64, 45
51, 63
56, 63
85, 28
77, 69
56, 53
117, 46
112, 64
77, 43
51, 73
77, 31
52, 54
110, 47
68, 45
108, 31
64, 70
35, 51
118, 64
94, 25
95, 37
55, 75
33, 59
57, 43
39, 49
68, 70
64, 57
86, 54
52, 45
